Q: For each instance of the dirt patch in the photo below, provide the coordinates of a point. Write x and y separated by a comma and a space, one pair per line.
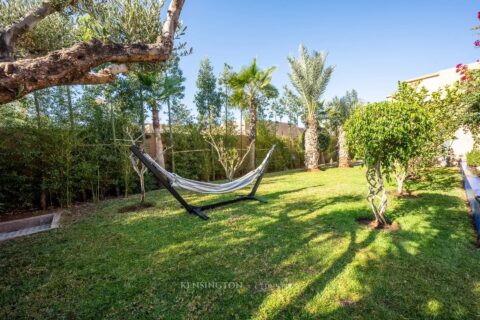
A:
136, 207
347, 303
372, 224
405, 195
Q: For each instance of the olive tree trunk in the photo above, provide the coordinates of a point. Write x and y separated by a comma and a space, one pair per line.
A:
377, 195
79, 63
343, 156
311, 144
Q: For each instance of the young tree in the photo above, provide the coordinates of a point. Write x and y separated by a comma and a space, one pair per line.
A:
310, 77
292, 105
339, 109
207, 98
249, 85
208, 102
383, 134
445, 112
229, 158
38, 46
225, 93
138, 166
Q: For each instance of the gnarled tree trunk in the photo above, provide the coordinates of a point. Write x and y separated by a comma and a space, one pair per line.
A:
253, 132
377, 195
311, 144
343, 156
74, 65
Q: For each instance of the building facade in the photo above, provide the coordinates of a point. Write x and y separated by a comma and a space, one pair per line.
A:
463, 142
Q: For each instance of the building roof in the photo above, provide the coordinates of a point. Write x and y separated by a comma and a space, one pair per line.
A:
442, 78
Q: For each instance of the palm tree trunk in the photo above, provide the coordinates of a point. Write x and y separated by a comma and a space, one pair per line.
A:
253, 132
157, 136
311, 144
343, 157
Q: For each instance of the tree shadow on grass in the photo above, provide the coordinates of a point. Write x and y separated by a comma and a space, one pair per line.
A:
137, 266
426, 270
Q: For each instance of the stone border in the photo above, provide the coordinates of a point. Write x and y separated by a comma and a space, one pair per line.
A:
472, 190
23, 227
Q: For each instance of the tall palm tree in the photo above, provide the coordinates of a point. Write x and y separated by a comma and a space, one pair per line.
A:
339, 109
147, 82
157, 88
248, 86
310, 77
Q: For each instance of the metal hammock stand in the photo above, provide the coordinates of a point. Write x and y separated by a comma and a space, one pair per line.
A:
197, 210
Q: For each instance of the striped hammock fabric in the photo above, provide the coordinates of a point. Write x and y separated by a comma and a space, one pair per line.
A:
213, 188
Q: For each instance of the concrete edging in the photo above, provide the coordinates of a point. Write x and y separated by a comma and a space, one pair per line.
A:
23, 227
471, 184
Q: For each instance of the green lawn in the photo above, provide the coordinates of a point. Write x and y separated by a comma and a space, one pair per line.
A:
301, 256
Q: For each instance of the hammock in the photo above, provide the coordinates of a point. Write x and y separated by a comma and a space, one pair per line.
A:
171, 180
213, 188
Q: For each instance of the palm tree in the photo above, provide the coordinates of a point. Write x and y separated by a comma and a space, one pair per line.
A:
310, 77
157, 88
339, 109
248, 86
147, 81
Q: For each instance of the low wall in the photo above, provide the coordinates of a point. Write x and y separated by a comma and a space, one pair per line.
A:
472, 190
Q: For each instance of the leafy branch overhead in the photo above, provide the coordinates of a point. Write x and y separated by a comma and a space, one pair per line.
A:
64, 42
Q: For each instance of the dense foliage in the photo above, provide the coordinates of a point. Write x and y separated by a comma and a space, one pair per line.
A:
387, 132
383, 135
443, 109
473, 158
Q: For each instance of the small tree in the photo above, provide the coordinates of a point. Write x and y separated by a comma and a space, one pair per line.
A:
229, 158
339, 109
207, 98
384, 134
139, 168
444, 111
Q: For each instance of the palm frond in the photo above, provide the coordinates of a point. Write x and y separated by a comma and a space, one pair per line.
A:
310, 77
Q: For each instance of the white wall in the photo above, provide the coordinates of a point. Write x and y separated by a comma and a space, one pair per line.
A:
463, 142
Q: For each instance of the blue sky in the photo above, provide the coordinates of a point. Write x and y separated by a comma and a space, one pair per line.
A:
372, 43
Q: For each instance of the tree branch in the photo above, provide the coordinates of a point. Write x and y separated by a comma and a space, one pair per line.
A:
74, 65
9, 36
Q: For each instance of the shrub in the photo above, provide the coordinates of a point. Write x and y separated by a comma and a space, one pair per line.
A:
473, 158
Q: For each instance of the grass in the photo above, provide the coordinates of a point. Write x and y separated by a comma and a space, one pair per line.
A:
301, 256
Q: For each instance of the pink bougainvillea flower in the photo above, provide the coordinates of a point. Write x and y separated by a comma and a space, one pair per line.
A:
478, 15
464, 77
477, 43
459, 65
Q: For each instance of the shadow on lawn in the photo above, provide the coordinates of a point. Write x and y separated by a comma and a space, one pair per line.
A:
427, 262
138, 266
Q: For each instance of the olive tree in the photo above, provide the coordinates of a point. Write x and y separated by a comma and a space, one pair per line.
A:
65, 42
383, 134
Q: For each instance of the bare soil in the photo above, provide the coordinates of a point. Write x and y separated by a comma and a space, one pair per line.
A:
136, 207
